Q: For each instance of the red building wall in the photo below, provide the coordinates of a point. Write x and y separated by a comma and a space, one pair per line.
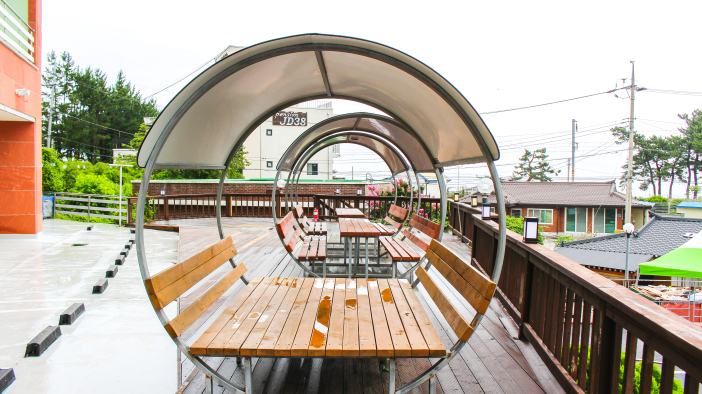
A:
20, 142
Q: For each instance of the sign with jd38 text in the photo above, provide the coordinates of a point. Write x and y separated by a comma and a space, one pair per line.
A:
290, 119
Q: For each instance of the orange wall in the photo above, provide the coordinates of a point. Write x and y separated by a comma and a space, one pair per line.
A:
20, 142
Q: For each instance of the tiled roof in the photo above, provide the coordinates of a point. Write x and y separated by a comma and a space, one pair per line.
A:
570, 194
658, 237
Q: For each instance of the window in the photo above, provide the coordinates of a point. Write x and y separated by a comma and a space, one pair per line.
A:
545, 216
605, 220
336, 149
269, 131
516, 213
312, 169
269, 164
576, 220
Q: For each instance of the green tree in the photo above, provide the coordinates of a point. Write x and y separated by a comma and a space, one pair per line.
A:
692, 147
534, 166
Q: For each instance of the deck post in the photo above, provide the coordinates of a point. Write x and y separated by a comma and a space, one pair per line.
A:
391, 384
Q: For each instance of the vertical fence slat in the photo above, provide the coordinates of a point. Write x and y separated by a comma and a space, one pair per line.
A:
584, 345
647, 370
568, 326
577, 319
629, 364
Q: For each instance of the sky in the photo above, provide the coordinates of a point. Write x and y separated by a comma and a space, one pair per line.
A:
499, 55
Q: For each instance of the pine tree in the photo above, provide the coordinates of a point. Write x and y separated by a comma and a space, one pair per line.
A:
534, 166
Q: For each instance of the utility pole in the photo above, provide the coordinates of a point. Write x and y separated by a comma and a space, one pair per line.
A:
568, 173
630, 170
572, 169
51, 113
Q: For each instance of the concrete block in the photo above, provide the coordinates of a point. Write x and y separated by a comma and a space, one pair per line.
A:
41, 342
90, 228
111, 271
132, 241
133, 231
71, 314
128, 246
100, 286
7, 376
124, 252
119, 260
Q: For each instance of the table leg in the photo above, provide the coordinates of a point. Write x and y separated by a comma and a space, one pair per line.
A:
247, 375
391, 388
366, 257
348, 246
358, 253
432, 384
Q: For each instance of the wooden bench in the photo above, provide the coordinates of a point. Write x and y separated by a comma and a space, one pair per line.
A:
399, 251
396, 217
311, 248
472, 285
314, 228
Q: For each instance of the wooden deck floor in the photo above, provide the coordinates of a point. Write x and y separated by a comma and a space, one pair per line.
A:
491, 362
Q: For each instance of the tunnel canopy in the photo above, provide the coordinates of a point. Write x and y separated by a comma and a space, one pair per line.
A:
209, 119
382, 148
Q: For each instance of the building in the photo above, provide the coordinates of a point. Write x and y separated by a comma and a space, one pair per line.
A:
20, 117
607, 255
268, 142
571, 207
690, 209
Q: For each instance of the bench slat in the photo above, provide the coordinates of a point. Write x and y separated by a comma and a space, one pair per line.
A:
181, 322
200, 346
421, 244
164, 297
458, 324
474, 298
413, 256
366, 337
163, 279
398, 212
286, 321
301, 338
477, 279
383, 340
393, 223
425, 225
397, 331
412, 330
436, 346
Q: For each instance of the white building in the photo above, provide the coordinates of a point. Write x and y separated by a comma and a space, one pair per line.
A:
269, 141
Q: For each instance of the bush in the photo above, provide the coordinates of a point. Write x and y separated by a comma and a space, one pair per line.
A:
656, 199
564, 238
517, 225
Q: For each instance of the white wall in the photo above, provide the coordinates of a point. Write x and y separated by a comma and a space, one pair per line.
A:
263, 148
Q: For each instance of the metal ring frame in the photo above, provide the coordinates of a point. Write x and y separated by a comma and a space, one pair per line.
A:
430, 373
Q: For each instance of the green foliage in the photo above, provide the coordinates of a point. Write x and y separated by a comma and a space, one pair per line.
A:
564, 238
517, 225
656, 199
534, 166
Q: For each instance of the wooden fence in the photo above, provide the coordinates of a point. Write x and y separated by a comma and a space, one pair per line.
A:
571, 315
190, 206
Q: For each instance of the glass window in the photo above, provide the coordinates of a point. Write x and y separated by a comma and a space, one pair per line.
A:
600, 220
269, 164
269, 131
581, 224
545, 216
570, 219
516, 213
312, 169
610, 221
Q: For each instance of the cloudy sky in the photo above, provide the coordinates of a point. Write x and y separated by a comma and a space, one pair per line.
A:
500, 55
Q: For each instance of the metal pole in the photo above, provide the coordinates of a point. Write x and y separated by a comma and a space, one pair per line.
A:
630, 169
568, 173
572, 153
626, 267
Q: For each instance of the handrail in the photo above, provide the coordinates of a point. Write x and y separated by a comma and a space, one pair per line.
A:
93, 203
10, 29
17, 15
568, 313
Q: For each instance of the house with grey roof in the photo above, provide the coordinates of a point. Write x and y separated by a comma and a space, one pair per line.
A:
607, 254
571, 207
690, 209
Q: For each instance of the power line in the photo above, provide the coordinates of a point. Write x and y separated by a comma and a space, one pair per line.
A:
99, 125
553, 102
191, 73
667, 91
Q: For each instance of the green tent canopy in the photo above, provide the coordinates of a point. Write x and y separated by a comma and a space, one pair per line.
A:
685, 261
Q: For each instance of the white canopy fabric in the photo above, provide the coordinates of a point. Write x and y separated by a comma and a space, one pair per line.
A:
212, 116
394, 162
382, 126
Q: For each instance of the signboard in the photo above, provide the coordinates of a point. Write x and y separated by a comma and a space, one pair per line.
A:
290, 119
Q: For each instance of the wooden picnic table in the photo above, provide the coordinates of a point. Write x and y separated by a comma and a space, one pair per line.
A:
351, 230
314, 317
349, 213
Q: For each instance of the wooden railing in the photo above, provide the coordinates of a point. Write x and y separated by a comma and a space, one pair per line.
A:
571, 315
191, 206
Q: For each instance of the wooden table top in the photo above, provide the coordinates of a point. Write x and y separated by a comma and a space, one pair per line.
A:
354, 227
349, 213
314, 317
